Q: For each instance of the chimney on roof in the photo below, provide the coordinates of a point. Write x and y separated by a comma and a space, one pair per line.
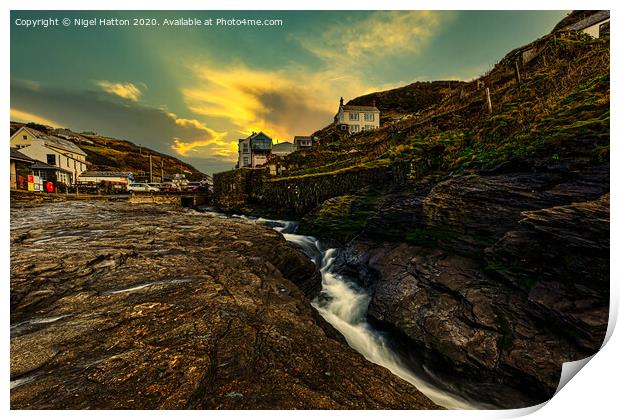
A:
341, 101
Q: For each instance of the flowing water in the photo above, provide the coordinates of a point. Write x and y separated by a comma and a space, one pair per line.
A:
344, 304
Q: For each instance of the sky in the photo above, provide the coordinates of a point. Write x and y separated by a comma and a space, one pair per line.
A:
194, 91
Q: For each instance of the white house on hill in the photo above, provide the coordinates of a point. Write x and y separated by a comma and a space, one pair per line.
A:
52, 151
595, 25
355, 118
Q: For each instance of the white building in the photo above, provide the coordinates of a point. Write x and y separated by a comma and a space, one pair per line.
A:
595, 25
51, 150
355, 118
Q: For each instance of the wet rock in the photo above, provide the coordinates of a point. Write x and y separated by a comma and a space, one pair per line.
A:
468, 213
476, 334
144, 307
560, 255
500, 277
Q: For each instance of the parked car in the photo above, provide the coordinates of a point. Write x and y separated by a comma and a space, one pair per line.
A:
141, 187
168, 186
197, 186
193, 186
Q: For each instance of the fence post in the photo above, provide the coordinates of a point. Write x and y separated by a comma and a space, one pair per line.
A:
488, 100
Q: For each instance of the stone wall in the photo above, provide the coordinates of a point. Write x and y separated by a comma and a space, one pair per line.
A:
231, 189
302, 194
234, 189
157, 199
184, 200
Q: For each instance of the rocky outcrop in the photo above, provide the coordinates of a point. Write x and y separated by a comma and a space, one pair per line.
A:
563, 263
474, 333
494, 280
146, 307
468, 213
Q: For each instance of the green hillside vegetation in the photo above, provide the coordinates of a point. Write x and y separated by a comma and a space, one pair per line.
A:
110, 154
559, 109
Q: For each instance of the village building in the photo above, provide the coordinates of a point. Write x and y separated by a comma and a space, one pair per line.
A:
595, 25
303, 142
53, 151
283, 149
111, 177
254, 150
356, 118
51, 173
20, 169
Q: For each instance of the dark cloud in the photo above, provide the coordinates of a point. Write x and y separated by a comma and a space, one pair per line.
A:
292, 111
209, 165
95, 111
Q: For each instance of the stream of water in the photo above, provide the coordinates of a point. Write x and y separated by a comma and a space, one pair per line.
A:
344, 304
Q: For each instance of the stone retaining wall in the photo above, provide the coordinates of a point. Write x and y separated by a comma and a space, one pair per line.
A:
184, 200
304, 193
231, 189
235, 189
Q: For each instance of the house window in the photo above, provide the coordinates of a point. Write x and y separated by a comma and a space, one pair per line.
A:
246, 161
51, 160
245, 148
354, 116
261, 144
368, 127
355, 128
25, 137
369, 116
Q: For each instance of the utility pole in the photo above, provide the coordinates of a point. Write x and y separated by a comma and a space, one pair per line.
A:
517, 73
162, 169
150, 168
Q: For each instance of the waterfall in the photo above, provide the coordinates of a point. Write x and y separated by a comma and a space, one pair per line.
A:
344, 304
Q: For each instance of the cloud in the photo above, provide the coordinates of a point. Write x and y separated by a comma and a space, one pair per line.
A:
84, 111
124, 90
379, 34
26, 117
283, 103
214, 141
26, 83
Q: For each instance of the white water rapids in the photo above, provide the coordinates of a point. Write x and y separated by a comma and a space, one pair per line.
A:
344, 305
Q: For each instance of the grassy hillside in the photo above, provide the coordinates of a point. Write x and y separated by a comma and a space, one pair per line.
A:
106, 153
559, 110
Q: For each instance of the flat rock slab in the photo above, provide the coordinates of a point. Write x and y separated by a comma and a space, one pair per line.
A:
116, 305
